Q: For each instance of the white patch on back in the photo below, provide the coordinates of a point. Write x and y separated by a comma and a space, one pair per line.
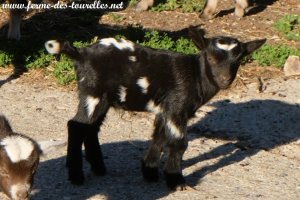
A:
17, 148
91, 103
122, 44
226, 47
173, 130
19, 188
132, 58
156, 109
122, 93
144, 84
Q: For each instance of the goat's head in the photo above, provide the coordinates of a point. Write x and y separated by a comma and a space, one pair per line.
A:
19, 159
223, 55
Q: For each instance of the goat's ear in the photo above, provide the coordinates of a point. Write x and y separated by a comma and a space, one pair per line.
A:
254, 45
197, 35
51, 145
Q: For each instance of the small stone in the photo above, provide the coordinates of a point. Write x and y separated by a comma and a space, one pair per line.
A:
292, 66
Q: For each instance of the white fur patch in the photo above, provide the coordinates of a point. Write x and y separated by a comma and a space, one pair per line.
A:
17, 148
52, 46
173, 130
144, 84
82, 79
122, 44
19, 188
122, 93
156, 109
226, 47
132, 58
91, 103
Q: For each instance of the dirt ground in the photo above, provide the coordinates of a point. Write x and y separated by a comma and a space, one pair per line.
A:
244, 144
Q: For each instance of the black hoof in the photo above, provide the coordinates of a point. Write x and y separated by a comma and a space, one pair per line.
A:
99, 171
76, 178
150, 174
175, 181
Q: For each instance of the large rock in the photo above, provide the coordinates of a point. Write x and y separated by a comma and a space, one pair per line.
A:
292, 66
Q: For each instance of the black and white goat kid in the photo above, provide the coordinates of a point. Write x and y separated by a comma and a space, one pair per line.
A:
121, 74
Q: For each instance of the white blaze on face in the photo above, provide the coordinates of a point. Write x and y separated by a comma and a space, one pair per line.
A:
20, 191
122, 44
17, 148
91, 103
144, 84
52, 46
226, 47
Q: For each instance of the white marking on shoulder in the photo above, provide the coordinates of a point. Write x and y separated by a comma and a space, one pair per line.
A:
122, 44
17, 148
19, 188
144, 84
156, 109
173, 130
91, 103
122, 93
226, 47
132, 58
52, 46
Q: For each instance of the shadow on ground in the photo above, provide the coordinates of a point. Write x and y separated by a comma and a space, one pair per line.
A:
248, 127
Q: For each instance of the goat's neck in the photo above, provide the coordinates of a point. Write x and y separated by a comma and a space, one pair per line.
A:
207, 86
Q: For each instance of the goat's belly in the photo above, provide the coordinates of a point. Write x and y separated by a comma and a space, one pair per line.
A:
132, 101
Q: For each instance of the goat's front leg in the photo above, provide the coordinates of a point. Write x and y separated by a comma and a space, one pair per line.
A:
83, 129
144, 5
240, 8
177, 144
209, 10
14, 30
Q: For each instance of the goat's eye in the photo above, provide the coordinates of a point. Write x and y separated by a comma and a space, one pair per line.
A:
3, 173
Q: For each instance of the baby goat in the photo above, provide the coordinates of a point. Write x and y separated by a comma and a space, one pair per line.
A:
19, 159
121, 74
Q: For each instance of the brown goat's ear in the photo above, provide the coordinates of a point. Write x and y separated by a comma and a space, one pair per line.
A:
197, 35
254, 45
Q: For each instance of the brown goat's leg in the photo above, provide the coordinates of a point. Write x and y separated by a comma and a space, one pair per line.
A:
144, 5
14, 30
240, 7
151, 160
209, 9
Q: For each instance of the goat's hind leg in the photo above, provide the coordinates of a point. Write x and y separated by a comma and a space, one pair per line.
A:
83, 129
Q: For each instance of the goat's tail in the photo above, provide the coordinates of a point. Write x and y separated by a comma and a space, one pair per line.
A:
56, 47
4, 125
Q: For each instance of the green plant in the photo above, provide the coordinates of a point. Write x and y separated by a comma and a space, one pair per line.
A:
163, 41
275, 55
64, 71
5, 59
289, 25
184, 5
39, 60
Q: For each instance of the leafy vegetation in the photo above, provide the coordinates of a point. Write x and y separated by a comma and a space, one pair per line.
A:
289, 26
184, 5
275, 55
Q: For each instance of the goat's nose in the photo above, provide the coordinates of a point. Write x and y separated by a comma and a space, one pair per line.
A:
22, 195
